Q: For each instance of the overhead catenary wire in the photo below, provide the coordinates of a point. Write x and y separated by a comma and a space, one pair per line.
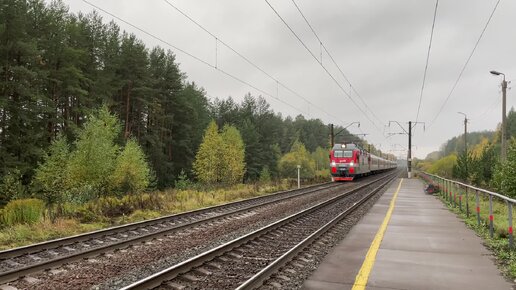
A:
465, 64
335, 63
324, 68
192, 56
427, 59
246, 59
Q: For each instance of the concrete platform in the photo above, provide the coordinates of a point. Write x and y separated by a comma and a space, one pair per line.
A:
425, 246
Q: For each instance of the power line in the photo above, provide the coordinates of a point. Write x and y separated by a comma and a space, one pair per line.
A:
427, 58
320, 63
247, 59
334, 62
465, 64
192, 56
493, 105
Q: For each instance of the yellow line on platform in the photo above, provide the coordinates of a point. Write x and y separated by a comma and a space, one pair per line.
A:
367, 266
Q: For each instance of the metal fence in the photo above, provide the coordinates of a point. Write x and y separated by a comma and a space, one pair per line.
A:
458, 194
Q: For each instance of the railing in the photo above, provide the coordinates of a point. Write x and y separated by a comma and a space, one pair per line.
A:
451, 190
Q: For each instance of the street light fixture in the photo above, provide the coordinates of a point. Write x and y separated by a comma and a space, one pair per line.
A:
504, 94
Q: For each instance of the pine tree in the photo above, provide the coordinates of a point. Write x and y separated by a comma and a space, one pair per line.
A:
52, 175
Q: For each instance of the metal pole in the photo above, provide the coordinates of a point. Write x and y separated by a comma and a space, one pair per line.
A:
511, 239
298, 176
466, 144
409, 159
460, 198
467, 203
332, 141
491, 217
454, 189
477, 200
504, 142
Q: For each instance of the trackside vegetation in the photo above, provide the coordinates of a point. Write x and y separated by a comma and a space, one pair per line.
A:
499, 243
98, 129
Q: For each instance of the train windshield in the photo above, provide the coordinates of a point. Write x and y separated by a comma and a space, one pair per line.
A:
343, 153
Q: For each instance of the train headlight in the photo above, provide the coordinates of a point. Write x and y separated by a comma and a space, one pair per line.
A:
333, 164
351, 163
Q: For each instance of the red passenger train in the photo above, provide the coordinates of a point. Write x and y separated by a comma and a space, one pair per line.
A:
348, 161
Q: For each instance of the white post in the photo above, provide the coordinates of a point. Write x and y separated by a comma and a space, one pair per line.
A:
298, 176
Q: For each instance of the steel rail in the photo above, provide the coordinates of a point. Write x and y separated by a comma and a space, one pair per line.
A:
88, 252
258, 279
172, 272
29, 249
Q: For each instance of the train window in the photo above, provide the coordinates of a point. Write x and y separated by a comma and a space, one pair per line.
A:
343, 153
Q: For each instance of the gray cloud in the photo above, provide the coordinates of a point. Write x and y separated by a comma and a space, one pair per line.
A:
380, 45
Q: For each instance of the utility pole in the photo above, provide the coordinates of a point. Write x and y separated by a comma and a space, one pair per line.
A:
504, 116
411, 125
465, 140
332, 135
332, 142
409, 157
504, 119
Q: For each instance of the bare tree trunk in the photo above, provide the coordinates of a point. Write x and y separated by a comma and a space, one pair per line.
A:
127, 109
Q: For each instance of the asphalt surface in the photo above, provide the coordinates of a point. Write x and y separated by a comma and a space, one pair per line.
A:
425, 246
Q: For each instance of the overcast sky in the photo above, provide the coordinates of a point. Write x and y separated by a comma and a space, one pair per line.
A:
381, 46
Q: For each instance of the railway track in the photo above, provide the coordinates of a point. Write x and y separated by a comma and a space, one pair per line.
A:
22, 261
248, 261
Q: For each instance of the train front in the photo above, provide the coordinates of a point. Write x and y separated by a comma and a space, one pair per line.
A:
342, 163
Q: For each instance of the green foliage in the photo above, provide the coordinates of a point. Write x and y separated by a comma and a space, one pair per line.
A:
511, 124
482, 168
182, 181
461, 168
444, 166
23, 211
11, 187
505, 173
265, 175
56, 67
220, 158
94, 159
131, 173
207, 161
52, 175
320, 156
233, 156
456, 144
298, 155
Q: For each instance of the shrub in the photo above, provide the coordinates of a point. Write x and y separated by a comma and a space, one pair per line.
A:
182, 181
23, 211
11, 187
132, 173
265, 175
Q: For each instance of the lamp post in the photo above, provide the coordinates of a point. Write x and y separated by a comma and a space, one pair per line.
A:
504, 93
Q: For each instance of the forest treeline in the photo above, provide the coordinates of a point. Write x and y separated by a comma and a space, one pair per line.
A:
57, 68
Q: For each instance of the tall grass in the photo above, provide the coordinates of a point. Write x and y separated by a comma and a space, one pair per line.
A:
22, 211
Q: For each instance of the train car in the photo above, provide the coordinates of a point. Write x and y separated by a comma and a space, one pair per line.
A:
349, 161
